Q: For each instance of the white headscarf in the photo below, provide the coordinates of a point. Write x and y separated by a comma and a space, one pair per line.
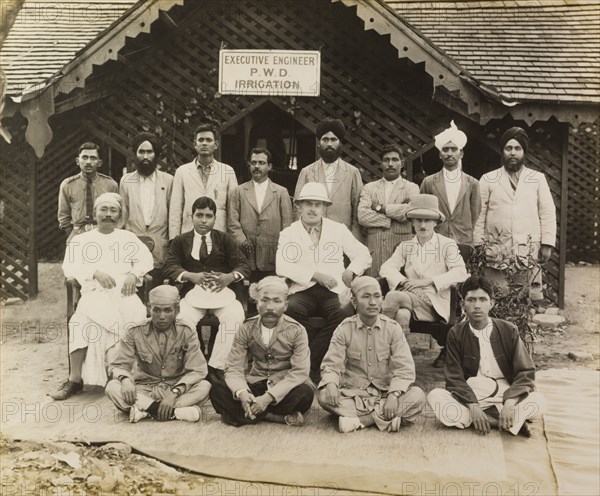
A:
452, 134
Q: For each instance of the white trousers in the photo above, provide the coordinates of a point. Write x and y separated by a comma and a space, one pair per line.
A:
230, 317
451, 412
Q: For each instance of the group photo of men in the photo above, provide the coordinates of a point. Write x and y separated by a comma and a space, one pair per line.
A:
314, 293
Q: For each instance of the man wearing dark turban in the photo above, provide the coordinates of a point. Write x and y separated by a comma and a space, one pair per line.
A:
146, 194
342, 180
517, 209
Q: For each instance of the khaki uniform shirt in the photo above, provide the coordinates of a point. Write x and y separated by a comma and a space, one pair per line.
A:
360, 356
71, 198
172, 356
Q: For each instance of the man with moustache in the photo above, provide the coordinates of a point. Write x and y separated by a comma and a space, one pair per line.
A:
342, 181
146, 193
276, 388
311, 253
258, 211
368, 373
382, 208
108, 263
204, 176
458, 193
517, 207
77, 193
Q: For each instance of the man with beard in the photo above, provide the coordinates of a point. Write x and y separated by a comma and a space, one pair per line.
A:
276, 388
258, 211
342, 180
460, 200
204, 176
108, 263
146, 193
517, 210
382, 208
77, 193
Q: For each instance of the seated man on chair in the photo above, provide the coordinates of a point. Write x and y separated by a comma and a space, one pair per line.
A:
211, 260
277, 387
421, 270
368, 371
311, 253
490, 377
169, 380
108, 263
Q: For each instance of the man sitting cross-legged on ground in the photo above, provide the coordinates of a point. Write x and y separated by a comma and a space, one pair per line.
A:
277, 387
108, 263
211, 260
368, 371
169, 381
489, 373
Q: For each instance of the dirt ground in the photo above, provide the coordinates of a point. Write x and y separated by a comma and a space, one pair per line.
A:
33, 342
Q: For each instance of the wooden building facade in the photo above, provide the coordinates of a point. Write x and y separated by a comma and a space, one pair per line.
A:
156, 69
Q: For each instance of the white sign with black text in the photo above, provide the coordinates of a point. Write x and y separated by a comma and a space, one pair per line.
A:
270, 72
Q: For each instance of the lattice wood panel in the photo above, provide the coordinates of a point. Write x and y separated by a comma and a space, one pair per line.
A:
15, 214
583, 239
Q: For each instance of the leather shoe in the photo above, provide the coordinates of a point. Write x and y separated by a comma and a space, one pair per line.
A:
66, 390
440, 361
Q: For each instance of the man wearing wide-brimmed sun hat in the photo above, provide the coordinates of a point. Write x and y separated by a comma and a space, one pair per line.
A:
311, 254
421, 270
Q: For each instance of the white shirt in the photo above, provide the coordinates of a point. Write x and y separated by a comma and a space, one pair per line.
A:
260, 190
488, 366
452, 181
388, 187
266, 334
147, 196
330, 172
198, 242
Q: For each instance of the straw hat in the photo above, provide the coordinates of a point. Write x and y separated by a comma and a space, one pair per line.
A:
199, 297
314, 191
424, 207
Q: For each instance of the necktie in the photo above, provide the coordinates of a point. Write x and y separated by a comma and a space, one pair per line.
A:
314, 235
89, 200
203, 250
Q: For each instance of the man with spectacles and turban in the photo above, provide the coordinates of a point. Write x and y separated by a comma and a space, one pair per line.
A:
108, 263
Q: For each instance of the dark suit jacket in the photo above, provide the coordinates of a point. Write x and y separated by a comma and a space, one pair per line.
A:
462, 360
225, 256
460, 223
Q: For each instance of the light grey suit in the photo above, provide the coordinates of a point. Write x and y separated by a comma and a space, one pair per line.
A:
261, 228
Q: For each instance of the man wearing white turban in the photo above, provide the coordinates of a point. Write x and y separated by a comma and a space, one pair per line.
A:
108, 263
458, 193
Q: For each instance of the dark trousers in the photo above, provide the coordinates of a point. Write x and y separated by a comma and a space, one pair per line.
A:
318, 301
299, 399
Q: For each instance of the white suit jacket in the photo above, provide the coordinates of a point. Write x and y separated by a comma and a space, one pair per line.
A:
512, 216
439, 260
188, 187
297, 258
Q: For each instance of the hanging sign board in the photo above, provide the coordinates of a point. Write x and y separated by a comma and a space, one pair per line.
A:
270, 72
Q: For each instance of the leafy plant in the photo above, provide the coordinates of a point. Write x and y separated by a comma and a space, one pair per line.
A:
512, 275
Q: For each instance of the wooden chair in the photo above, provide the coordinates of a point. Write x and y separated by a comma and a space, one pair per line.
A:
208, 326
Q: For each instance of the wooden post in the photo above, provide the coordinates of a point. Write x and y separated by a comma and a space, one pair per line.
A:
564, 199
32, 261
